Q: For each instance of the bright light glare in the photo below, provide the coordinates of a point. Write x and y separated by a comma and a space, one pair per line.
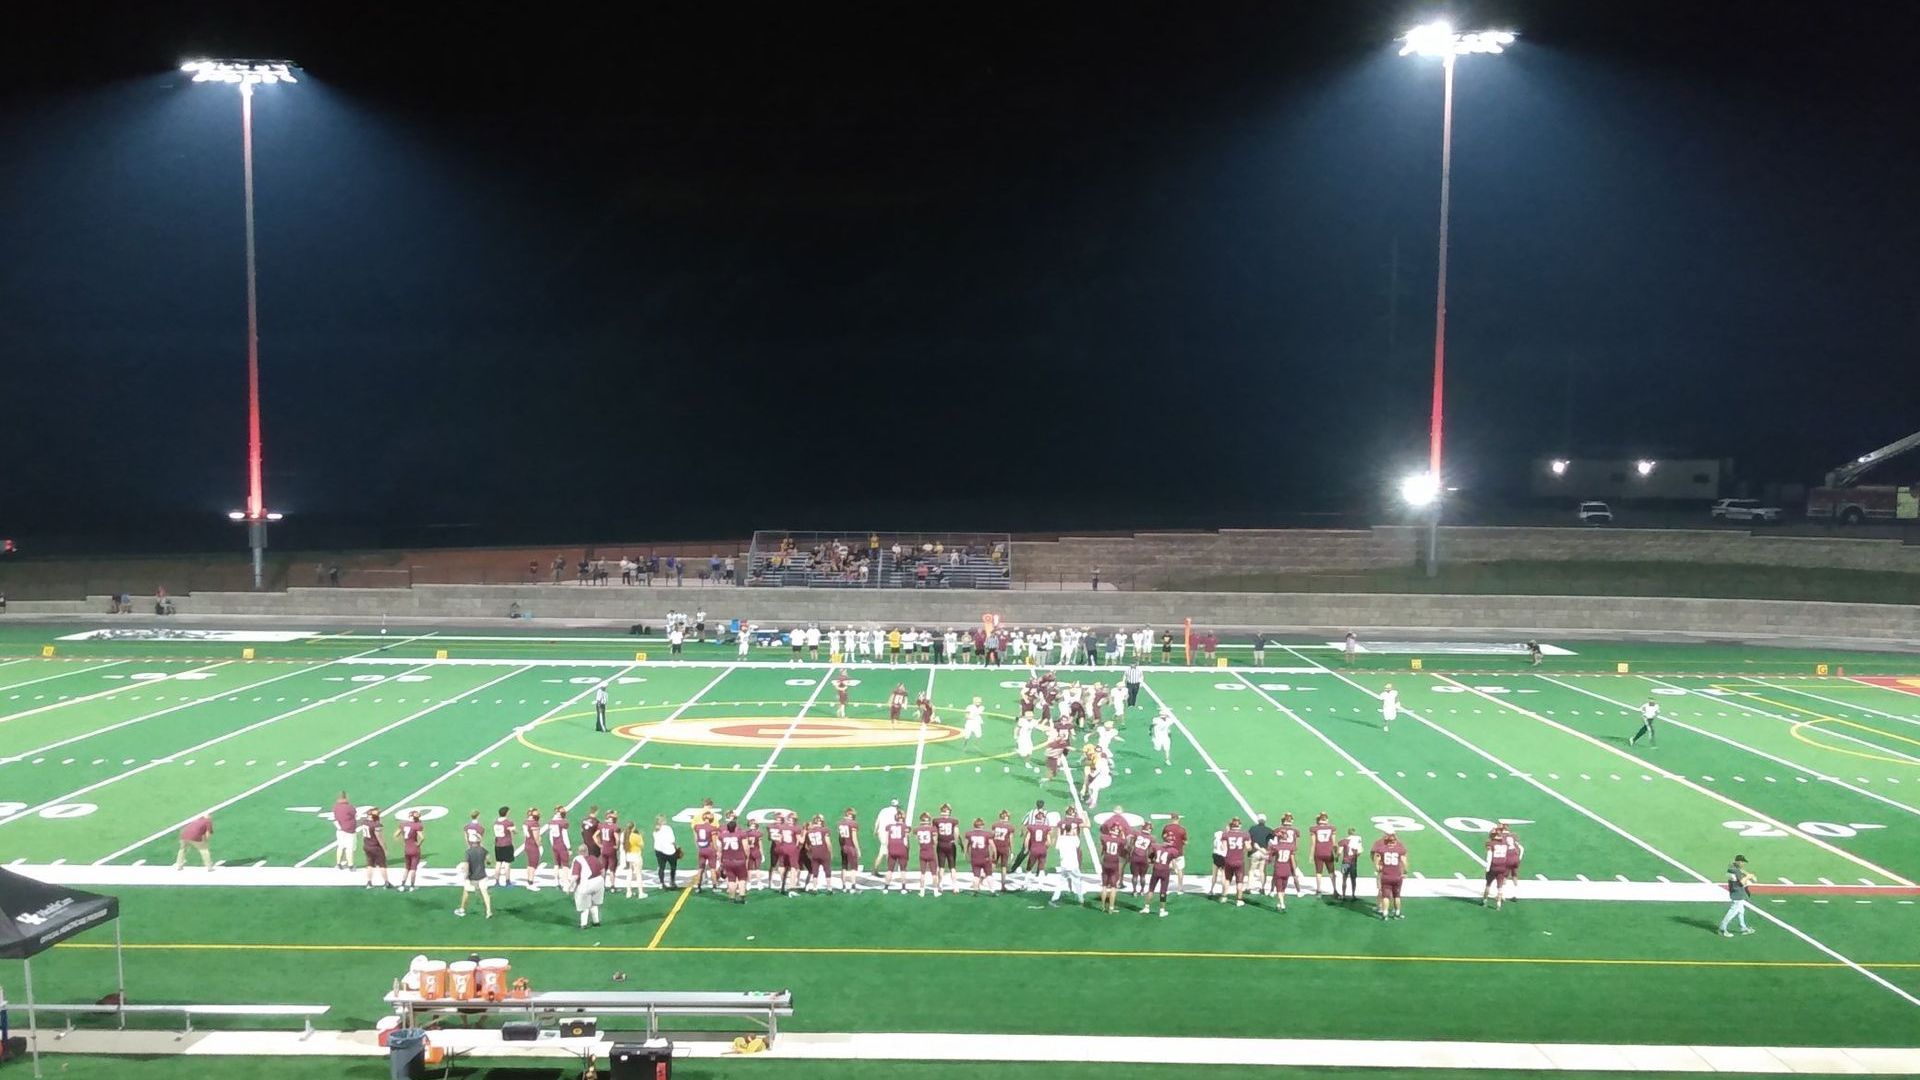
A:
1420, 489
250, 72
274, 515
1440, 39
1559, 466
236, 515
1643, 467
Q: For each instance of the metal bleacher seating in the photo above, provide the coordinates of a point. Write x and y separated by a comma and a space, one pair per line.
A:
877, 560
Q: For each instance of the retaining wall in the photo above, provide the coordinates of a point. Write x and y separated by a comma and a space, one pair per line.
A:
1333, 612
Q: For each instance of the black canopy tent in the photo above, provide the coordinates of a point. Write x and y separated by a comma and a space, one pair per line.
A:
36, 916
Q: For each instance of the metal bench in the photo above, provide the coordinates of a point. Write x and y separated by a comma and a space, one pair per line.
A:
761, 1008
187, 1012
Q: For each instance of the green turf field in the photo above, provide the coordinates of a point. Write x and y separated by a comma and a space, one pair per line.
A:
108, 746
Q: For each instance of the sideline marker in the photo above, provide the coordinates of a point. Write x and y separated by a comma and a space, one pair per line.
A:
1220, 661
46, 650
246, 654
439, 654
639, 658
1416, 663
1620, 668
1819, 669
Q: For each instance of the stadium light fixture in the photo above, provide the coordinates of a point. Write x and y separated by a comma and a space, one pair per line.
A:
1420, 489
1558, 466
1643, 467
1440, 39
247, 74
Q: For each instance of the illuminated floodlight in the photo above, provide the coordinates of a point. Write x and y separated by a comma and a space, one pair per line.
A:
1420, 489
241, 72
236, 515
1440, 39
1643, 467
1558, 466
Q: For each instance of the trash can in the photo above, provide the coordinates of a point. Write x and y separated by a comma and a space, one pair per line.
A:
407, 1053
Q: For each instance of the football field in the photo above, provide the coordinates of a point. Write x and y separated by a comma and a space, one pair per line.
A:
108, 746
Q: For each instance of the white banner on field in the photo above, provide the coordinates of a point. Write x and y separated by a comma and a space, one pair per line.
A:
169, 633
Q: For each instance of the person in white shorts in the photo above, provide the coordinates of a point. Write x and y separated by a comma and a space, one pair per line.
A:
1023, 738
1163, 735
1389, 707
975, 726
589, 887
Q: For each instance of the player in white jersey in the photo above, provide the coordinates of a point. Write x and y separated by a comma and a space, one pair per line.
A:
1023, 739
1389, 707
1108, 735
976, 724
1163, 734
950, 644
833, 645
1066, 848
1102, 777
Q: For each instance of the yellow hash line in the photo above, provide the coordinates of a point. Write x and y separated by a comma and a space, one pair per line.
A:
671, 915
1048, 954
1824, 718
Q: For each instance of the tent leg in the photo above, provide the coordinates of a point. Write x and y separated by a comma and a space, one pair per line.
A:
33, 1023
120, 974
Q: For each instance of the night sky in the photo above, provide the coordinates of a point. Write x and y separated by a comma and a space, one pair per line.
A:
535, 276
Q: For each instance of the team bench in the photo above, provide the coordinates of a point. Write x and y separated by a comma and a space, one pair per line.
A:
765, 1009
187, 1012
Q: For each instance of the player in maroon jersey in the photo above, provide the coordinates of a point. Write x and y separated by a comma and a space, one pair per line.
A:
557, 846
1322, 835
530, 846
473, 831
607, 844
980, 853
1165, 856
895, 702
732, 846
706, 853
1510, 873
786, 851
840, 684
1057, 748
925, 704
1390, 866
412, 835
1039, 835
1002, 832
1282, 855
1113, 850
926, 839
1497, 845
373, 843
1235, 843
896, 837
503, 848
819, 853
1174, 835
946, 842
1139, 858
848, 831
756, 849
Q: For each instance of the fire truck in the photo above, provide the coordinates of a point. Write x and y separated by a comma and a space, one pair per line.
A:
1844, 499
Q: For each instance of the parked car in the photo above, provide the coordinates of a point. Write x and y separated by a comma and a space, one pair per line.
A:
1595, 513
1744, 510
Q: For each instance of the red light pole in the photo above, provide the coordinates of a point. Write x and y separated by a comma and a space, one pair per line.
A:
1439, 39
247, 74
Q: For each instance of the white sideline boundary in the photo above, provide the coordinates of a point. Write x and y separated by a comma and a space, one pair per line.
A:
1479, 1057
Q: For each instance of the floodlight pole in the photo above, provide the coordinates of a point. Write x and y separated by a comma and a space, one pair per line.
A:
256, 498
1440, 321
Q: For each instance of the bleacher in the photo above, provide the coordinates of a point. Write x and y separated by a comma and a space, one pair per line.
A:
784, 558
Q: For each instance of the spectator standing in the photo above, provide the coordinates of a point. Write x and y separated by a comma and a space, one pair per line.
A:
533, 571
196, 836
559, 568
713, 569
1096, 579
666, 853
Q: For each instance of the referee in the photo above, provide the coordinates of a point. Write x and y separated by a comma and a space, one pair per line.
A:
600, 708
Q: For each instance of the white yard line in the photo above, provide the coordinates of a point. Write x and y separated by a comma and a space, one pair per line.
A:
1643, 763
1473, 857
920, 757
318, 759
70, 672
785, 737
169, 758
462, 765
1212, 765
1661, 855
1818, 774
621, 761
128, 685
1837, 703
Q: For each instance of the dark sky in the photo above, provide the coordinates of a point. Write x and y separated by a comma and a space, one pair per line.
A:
544, 273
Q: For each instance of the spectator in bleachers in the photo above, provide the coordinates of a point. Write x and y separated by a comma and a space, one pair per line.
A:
626, 570
559, 568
